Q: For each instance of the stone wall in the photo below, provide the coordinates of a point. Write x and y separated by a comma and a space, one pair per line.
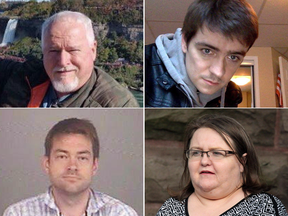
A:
164, 130
131, 32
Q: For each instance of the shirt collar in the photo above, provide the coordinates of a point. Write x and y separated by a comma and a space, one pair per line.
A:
51, 98
95, 202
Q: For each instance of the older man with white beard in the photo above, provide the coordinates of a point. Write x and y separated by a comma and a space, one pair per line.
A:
69, 51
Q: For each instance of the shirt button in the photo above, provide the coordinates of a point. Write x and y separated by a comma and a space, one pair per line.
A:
165, 82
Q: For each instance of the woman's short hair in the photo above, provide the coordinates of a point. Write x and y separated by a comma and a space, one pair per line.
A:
237, 139
233, 19
69, 16
73, 126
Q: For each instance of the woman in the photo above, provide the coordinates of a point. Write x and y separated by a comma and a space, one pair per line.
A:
221, 173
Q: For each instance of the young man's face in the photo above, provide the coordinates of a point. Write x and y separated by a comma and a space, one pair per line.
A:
212, 59
70, 165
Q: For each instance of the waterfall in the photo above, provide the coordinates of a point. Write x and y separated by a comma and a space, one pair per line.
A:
9, 32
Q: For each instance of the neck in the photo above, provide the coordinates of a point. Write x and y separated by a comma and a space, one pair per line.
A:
71, 204
236, 193
59, 94
213, 206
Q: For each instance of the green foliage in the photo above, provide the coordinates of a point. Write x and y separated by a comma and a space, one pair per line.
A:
103, 54
100, 11
30, 10
114, 47
104, 11
129, 75
73, 5
26, 48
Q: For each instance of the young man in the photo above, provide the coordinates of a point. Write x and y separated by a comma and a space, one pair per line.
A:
193, 67
68, 78
71, 160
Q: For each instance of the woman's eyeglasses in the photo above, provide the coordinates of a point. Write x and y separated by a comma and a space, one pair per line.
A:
213, 154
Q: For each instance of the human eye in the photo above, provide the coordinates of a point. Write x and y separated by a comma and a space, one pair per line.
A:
218, 153
53, 50
61, 157
206, 51
83, 158
74, 50
234, 58
195, 153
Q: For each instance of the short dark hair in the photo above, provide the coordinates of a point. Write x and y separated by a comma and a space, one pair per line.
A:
73, 126
238, 140
233, 19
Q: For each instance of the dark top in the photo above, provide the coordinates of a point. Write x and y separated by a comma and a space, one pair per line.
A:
262, 204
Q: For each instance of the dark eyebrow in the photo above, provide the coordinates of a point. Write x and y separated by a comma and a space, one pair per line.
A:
206, 45
84, 152
73, 47
66, 152
210, 149
243, 53
61, 151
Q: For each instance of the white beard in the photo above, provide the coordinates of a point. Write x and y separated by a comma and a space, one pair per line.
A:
59, 86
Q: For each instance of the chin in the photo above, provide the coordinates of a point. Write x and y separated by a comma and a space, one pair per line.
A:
208, 91
65, 87
207, 187
73, 190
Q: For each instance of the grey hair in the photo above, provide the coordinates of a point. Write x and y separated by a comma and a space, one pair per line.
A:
66, 16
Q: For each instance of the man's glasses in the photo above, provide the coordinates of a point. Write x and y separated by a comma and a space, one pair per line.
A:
213, 154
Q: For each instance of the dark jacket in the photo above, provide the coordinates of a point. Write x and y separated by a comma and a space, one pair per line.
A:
162, 91
25, 85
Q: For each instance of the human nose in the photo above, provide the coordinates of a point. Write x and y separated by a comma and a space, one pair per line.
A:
205, 159
218, 67
72, 165
64, 58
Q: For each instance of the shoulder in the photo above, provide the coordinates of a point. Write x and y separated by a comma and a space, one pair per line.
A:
25, 206
109, 93
151, 55
233, 95
172, 206
111, 206
150, 50
8, 64
277, 204
261, 203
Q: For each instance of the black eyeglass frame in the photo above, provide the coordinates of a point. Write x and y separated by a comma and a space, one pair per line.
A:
227, 152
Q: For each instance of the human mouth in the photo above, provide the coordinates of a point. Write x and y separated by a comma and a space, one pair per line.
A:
64, 70
211, 82
206, 172
71, 177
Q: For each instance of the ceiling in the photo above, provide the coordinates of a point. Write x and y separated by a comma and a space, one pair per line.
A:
165, 16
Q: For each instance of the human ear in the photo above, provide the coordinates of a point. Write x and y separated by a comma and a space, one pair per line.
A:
183, 44
45, 164
95, 166
94, 50
243, 159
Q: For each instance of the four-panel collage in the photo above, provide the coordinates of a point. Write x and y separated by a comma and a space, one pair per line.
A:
143, 108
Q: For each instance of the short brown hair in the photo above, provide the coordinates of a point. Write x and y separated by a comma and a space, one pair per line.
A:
233, 19
237, 139
73, 126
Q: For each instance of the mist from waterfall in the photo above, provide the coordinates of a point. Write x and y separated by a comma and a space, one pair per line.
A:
9, 34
